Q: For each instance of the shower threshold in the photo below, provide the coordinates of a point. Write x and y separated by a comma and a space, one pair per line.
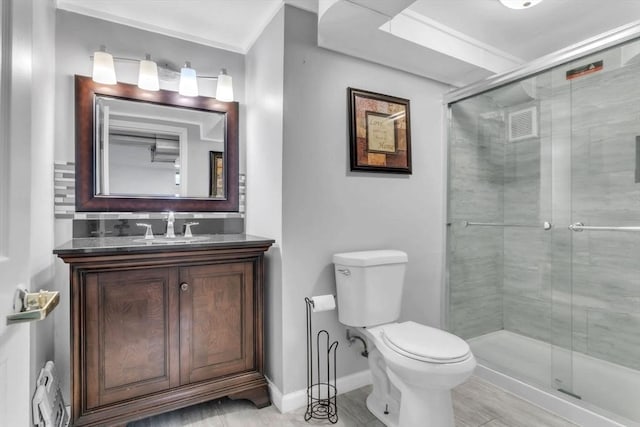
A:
604, 388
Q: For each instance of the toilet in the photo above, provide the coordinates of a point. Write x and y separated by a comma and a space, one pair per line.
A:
414, 367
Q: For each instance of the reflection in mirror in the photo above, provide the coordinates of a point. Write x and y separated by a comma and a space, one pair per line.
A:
139, 150
152, 150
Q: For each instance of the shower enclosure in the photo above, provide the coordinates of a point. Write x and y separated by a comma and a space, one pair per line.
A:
543, 233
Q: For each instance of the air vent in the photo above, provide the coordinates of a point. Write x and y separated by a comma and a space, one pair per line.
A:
523, 124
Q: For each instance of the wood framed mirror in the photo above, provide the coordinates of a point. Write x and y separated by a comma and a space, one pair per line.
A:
139, 150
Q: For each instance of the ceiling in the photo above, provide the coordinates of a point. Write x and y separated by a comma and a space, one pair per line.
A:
453, 41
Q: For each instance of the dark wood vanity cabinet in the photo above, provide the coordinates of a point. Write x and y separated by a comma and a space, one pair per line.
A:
216, 321
156, 331
127, 335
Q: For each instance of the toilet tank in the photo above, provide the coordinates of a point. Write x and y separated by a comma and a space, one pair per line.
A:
369, 286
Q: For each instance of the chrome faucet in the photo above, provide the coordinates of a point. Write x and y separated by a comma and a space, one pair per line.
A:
187, 228
170, 220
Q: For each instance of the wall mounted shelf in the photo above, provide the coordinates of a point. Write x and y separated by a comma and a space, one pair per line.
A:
33, 305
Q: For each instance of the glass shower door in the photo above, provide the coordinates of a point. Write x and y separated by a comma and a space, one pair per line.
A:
558, 307
499, 248
604, 231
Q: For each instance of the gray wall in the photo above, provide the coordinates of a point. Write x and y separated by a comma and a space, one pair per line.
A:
265, 72
328, 209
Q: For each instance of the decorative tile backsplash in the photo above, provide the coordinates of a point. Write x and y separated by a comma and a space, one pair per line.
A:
101, 224
114, 227
64, 189
242, 189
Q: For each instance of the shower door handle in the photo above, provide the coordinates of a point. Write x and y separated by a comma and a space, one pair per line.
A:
578, 226
545, 225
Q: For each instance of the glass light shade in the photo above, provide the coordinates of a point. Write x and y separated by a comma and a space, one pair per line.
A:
224, 90
188, 83
103, 70
520, 4
148, 75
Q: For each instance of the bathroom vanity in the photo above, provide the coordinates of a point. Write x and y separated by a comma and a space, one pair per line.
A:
160, 326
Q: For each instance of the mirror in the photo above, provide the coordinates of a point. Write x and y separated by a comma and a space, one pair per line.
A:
151, 150
138, 150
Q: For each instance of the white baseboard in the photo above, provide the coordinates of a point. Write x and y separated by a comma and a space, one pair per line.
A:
297, 399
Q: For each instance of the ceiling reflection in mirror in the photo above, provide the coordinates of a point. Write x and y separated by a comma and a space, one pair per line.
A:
153, 150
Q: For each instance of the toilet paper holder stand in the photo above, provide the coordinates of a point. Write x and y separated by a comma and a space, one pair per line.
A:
321, 389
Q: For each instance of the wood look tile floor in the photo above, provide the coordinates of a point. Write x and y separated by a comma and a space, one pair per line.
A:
476, 403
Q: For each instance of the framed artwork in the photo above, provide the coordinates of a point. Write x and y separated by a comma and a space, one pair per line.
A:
216, 174
380, 132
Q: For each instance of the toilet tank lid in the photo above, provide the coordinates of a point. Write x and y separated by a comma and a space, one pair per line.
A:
368, 258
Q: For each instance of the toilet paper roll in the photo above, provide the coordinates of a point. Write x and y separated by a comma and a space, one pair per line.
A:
323, 303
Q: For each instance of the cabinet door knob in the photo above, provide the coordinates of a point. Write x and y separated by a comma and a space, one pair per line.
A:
184, 286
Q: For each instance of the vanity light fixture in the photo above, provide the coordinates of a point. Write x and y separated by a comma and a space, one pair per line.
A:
103, 69
520, 4
104, 72
148, 74
189, 85
224, 89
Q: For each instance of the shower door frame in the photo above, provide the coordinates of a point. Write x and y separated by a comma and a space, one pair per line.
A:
590, 46
586, 47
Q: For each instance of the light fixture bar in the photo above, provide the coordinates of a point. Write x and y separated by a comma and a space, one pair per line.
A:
224, 89
148, 78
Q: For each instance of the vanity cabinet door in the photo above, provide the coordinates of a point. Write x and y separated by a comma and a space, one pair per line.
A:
217, 321
130, 337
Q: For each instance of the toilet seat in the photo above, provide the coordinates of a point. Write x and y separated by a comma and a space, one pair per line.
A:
424, 343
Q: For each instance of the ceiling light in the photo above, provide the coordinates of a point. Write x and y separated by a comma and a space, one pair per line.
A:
148, 74
103, 70
224, 90
188, 83
520, 4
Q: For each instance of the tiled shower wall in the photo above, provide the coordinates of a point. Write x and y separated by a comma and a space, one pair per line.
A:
606, 265
499, 277
476, 170
577, 290
527, 202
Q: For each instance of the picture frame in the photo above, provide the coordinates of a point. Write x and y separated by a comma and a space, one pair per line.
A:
380, 132
216, 174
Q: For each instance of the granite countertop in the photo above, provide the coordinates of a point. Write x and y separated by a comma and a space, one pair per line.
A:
158, 244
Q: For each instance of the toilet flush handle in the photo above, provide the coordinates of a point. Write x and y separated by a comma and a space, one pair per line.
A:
344, 271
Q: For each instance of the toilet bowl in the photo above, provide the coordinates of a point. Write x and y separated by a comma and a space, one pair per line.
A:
413, 366
423, 364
